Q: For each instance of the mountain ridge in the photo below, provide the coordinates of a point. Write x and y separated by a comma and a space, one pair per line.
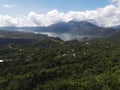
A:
72, 27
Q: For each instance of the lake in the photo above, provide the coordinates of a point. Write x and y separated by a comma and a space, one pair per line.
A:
63, 36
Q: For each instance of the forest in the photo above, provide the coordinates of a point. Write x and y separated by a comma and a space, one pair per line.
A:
53, 64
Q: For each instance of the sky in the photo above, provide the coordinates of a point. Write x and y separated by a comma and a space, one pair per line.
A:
21, 13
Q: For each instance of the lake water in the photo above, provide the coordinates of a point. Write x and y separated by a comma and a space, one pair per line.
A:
63, 36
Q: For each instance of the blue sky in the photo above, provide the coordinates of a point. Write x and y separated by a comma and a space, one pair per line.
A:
105, 13
22, 7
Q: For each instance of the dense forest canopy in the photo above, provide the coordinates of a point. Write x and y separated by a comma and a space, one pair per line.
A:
53, 64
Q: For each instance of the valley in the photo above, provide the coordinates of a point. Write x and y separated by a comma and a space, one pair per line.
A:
67, 30
31, 61
60, 45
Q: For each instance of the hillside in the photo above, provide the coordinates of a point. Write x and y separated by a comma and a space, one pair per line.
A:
8, 38
116, 27
71, 27
51, 64
20, 35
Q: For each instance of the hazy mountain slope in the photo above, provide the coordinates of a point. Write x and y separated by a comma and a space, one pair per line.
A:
20, 35
116, 27
17, 37
72, 27
81, 28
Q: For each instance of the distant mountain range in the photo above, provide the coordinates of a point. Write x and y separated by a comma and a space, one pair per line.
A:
116, 27
72, 27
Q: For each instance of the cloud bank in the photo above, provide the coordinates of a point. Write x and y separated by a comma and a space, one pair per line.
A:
116, 2
106, 17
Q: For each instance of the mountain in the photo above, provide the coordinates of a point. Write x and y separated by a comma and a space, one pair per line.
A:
26, 29
31, 61
23, 38
78, 28
116, 27
20, 35
114, 37
71, 27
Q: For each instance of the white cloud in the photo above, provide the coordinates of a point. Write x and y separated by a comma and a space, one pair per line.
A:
116, 2
9, 5
113, 1
107, 16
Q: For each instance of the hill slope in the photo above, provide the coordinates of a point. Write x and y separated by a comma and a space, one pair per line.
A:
57, 65
72, 27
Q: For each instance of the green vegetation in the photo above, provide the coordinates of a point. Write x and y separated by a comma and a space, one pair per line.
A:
52, 64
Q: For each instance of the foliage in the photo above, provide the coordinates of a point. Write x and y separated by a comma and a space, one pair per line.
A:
52, 64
